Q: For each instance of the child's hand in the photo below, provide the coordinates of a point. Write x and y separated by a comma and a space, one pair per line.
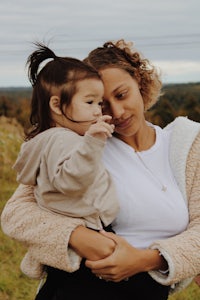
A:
102, 129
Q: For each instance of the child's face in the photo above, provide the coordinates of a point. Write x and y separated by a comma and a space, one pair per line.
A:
86, 105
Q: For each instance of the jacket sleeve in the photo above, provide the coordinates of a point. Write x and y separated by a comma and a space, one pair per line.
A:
182, 252
45, 234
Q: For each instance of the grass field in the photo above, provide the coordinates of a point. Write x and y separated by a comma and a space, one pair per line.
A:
13, 284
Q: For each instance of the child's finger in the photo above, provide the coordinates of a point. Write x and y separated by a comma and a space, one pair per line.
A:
104, 118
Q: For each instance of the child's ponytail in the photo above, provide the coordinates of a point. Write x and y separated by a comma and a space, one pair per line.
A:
36, 58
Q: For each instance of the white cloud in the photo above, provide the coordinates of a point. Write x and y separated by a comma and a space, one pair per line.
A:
162, 30
179, 71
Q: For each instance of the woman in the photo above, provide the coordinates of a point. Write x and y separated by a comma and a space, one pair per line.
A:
157, 177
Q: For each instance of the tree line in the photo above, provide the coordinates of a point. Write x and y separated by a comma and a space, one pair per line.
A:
176, 100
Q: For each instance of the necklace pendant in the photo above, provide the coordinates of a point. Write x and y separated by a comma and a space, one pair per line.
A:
164, 188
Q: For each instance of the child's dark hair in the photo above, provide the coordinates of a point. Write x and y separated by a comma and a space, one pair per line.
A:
57, 77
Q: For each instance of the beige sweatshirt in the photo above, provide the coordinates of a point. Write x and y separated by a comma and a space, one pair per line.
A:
182, 252
68, 175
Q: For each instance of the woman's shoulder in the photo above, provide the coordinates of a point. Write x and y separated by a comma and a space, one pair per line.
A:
183, 129
183, 123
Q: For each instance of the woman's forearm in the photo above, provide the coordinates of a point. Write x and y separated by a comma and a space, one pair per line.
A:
126, 261
90, 244
153, 260
50, 237
45, 234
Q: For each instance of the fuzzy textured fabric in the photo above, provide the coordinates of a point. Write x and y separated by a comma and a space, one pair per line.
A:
45, 234
182, 251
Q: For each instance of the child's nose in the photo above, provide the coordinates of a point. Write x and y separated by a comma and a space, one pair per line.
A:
98, 111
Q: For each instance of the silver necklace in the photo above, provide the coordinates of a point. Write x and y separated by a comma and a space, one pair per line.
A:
163, 187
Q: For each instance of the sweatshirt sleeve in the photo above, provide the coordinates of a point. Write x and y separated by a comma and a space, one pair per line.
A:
73, 162
182, 252
46, 234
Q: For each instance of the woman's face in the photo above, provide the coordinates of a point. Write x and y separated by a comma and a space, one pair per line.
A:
123, 101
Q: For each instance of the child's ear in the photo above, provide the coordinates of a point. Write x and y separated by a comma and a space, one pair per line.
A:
54, 104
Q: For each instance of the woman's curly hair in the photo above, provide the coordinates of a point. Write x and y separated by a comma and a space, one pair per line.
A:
121, 54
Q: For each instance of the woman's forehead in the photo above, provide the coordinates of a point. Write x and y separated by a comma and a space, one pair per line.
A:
114, 78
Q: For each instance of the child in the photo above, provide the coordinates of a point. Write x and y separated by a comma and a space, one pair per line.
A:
61, 155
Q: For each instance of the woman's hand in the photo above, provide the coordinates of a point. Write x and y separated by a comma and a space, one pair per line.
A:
125, 261
91, 244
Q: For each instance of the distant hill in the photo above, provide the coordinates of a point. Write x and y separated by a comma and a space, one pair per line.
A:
175, 90
177, 99
16, 92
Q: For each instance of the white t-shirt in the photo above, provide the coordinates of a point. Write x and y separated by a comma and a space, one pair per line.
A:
147, 213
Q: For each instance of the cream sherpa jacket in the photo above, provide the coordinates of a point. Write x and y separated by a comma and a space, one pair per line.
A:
47, 235
182, 252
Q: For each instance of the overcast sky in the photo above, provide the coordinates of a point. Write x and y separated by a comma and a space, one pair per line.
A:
165, 31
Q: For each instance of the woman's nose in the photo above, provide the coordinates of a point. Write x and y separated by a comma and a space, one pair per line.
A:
116, 110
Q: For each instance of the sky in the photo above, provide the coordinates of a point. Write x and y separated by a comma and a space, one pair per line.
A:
167, 32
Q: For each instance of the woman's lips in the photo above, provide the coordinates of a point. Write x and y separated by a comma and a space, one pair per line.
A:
123, 124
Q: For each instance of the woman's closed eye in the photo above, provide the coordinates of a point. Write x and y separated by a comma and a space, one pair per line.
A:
121, 95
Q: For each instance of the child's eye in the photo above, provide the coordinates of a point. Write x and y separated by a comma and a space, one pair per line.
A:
100, 103
90, 102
